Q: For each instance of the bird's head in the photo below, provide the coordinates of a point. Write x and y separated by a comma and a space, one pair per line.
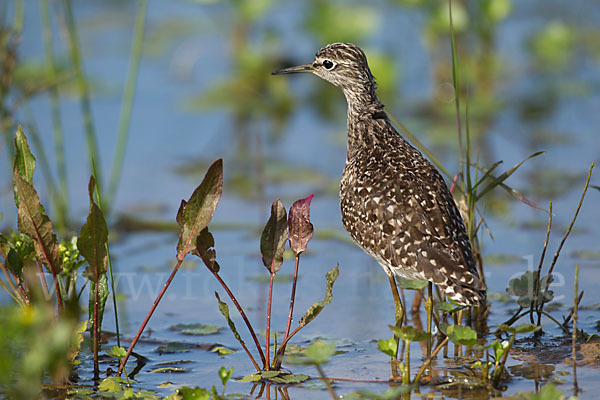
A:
342, 64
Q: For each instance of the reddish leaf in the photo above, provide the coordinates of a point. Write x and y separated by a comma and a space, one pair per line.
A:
195, 214
274, 236
300, 228
205, 244
35, 223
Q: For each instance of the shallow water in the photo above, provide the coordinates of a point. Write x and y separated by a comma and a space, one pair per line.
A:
188, 49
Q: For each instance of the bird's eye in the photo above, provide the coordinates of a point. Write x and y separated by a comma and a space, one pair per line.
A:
327, 64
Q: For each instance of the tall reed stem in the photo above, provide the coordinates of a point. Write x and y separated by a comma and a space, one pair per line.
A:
268, 348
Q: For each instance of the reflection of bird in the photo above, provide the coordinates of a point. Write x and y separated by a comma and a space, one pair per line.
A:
394, 203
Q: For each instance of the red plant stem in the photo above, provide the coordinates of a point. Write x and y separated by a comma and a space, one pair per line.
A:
267, 349
287, 339
242, 313
96, 338
143, 326
291, 313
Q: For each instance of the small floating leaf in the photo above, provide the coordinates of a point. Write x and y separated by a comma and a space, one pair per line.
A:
163, 370
222, 350
188, 393
299, 225
274, 236
289, 378
174, 347
197, 329
523, 328
250, 378
320, 351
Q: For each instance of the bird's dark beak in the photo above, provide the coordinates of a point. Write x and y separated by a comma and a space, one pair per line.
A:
294, 70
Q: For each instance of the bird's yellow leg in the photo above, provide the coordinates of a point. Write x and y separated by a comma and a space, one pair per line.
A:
399, 309
429, 310
399, 315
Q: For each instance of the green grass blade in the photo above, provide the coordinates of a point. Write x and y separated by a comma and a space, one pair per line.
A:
126, 106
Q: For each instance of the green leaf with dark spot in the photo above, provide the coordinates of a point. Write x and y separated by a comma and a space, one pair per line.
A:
196, 329
318, 306
103, 292
273, 238
224, 308
409, 334
195, 214
464, 335
389, 346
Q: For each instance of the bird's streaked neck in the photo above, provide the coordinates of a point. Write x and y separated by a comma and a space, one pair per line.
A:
361, 100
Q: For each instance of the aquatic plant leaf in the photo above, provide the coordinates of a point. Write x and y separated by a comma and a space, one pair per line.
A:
388, 346
195, 214
103, 292
318, 306
411, 284
299, 225
464, 335
188, 393
205, 243
112, 384
222, 350
320, 352
289, 378
499, 348
273, 238
93, 238
445, 307
174, 347
24, 160
409, 334
224, 308
33, 221
522, 287
225, 374
169, 370
522, 328
196, 329
250, 378
117, 352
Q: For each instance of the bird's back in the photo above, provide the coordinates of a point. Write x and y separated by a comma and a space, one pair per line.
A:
397, 207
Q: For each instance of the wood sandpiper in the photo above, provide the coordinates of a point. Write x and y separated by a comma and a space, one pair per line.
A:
394, 202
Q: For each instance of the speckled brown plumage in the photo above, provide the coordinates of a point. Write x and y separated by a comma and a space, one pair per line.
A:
394, 203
